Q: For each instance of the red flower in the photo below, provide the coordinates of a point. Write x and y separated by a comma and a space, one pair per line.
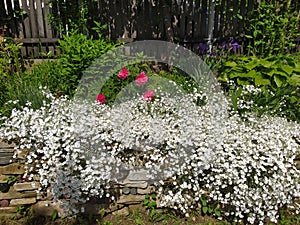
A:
142, 79
123, 74
100, 98
149, 95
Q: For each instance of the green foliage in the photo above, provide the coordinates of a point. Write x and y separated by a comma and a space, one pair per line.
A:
22, 210
210, 208
273, 71
77, 53
273, 28
277, 77
150, 204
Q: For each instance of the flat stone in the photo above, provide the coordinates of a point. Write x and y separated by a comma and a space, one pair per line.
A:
121, 212
13, 194
7, 151
12, 169
22, 201
130, 199
5, 144
46, 208
140, 175
142, 184
5, 160
148, 190
27, 186
4, 210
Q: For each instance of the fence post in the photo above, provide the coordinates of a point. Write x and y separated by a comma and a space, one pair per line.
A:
211, 24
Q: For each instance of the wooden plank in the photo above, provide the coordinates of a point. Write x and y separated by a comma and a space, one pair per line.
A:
203, 22
34, 27
197, 20
40, 23
48, 28
38, 40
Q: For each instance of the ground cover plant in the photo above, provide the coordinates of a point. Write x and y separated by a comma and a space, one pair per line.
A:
52, 133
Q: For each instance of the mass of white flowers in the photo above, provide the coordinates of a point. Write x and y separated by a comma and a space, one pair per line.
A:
79, 149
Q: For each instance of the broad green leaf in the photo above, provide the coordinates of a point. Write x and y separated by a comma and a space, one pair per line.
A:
250, 74
278, 80
288, 69
265, 63
251, 65
260, 80
230, 64
294, 80
242, 82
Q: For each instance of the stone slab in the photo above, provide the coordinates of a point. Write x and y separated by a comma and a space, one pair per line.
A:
22, 201
130, 199
142, 184
148, 190
27, 186
5, 144
7, 151
121, 212
4, 210
13, 194
5, 160
12, 169
46, 208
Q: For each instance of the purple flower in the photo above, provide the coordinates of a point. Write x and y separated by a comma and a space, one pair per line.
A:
202, 48
235, 46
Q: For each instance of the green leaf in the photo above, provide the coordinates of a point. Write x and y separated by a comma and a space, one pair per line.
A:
230, 64
266, 64
294, 80
204, 209
217, 212
252, 64
54, 215
288, 69
260, 80
278, 80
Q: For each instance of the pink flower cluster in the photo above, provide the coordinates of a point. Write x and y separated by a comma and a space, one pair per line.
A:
140, 80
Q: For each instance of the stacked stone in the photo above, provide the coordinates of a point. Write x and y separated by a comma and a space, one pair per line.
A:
22, 192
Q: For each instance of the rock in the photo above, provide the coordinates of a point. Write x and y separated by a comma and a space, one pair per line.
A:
130, 199
133, 191
8, 210
12, 169
148, 190
140, 175
126, 190
46, 208
6, 145
22, 201
4, 203
27, 186
13, 194
121, 212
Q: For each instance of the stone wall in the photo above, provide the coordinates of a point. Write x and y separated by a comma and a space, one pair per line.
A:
23, 192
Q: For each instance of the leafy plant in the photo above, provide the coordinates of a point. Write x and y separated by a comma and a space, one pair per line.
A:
210, 208
273, 28
22, 210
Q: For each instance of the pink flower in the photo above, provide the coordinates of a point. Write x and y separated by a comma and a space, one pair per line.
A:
141, 79
149, 95
100, 98
123, 74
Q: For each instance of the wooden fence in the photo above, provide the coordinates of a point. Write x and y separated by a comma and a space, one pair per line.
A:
187, 22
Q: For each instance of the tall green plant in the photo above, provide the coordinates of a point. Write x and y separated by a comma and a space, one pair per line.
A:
273, 27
